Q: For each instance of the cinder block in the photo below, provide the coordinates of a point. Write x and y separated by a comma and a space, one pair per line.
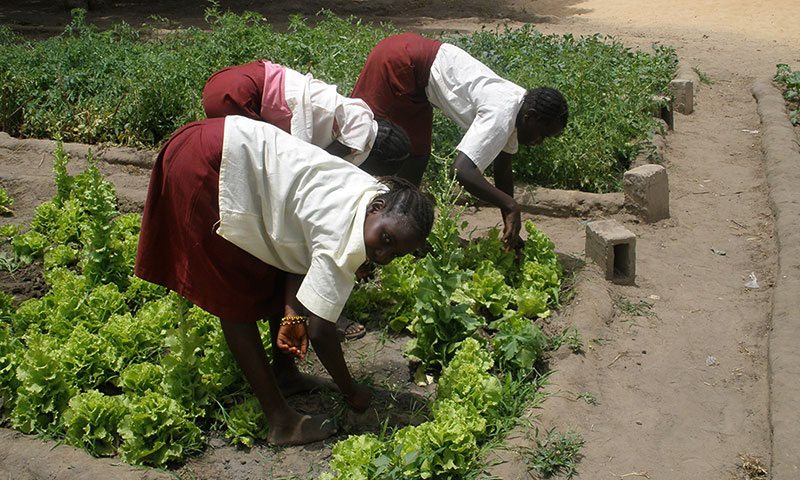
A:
647, 192
662, 108
613, 247
682, 95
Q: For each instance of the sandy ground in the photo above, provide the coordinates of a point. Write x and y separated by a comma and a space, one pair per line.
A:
681, 384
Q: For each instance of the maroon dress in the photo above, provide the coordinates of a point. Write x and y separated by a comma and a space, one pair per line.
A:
178, 244
235, 90
393, 83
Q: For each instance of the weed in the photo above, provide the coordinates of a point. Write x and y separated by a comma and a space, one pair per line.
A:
703, 77
635, 309
588, 398
572, 339
752, 469
556, 454
8, 263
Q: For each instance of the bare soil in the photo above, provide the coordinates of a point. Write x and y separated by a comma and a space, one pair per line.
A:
672, 382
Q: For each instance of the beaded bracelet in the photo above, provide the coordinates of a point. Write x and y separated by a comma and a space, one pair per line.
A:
292, 320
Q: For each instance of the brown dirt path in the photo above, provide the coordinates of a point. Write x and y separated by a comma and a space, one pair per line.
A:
682, 389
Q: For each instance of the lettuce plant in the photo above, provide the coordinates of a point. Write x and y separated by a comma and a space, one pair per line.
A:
92, 420
44, 389
155, 431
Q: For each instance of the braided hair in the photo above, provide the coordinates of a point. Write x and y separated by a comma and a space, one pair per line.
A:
405, 201
549, 109
391, 148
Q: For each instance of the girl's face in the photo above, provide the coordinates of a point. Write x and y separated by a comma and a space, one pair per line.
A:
530, 131
385, 237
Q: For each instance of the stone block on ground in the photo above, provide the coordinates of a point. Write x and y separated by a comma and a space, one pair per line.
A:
647, 192
682, 95
613, 247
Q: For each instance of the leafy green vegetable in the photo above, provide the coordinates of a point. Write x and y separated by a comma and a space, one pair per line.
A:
439, 325
60, 256
155, 431
29, 246
9, 230
5, 202
92, 420
466, 378
182, 378
44, 389
518, 342
790, 82
355, 457
487, 291
245, 422
86, 359
140, 378
9, 346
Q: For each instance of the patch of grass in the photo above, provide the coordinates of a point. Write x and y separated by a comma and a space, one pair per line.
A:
703, 77
635, 309
555, 454
571, 338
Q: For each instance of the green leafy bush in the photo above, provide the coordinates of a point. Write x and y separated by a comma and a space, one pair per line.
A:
132, 87
519, 342
444, 447
29, 246
790, 81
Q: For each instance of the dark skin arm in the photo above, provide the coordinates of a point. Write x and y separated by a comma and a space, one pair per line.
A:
327, 347
338, 150
293, 340
501, 195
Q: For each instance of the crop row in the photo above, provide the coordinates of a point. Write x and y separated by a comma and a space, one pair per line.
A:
135, 87
118, 366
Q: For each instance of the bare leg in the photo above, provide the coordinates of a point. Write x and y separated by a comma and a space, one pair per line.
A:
286, 426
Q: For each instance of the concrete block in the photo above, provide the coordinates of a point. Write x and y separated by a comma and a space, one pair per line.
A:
647, 192
682, 95
613, 247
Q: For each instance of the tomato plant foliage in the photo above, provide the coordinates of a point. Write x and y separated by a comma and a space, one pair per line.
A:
134, 87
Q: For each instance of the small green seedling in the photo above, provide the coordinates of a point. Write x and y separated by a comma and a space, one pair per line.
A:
556, 454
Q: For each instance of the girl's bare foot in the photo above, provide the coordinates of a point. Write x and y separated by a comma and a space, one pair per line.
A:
305, 429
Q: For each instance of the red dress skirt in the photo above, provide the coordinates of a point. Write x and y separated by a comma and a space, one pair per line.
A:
393, 83
178, 244
235, 91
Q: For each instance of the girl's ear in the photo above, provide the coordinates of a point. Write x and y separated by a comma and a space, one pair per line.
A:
376, 205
